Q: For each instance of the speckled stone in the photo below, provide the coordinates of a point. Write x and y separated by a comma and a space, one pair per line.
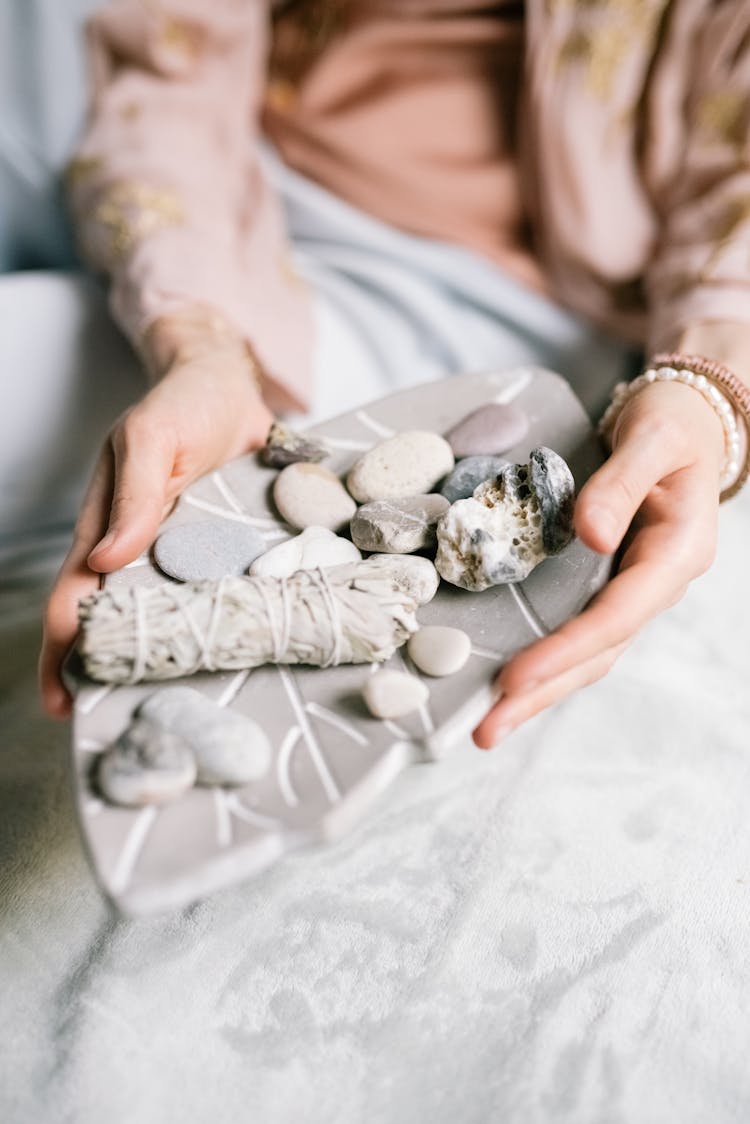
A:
308, 495
491, 429
146, 765
510, 524
468, 474
392, 694
207, 550
313, 549
409, 464
229, 748
285, 446
438, 650
400, 525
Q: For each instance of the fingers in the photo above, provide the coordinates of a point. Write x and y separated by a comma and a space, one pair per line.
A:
143, 462
512, 711
75, 580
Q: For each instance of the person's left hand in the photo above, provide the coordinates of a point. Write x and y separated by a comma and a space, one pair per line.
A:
661, 481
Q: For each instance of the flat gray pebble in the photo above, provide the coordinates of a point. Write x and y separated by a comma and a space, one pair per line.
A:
468, 474
491, 429
229, 748
207, 550
399, 525
146, 765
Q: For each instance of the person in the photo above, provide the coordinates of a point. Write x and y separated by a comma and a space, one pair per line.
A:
581, 157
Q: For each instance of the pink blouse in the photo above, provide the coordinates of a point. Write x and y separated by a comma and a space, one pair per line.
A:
599, 151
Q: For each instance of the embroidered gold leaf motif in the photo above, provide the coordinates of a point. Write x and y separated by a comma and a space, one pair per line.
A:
130, 211
604, 33
725, 115
80, 168
736, 215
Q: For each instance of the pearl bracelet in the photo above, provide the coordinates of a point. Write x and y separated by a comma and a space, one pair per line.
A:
733, 472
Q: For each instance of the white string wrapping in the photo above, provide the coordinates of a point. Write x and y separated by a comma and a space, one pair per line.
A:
356, 615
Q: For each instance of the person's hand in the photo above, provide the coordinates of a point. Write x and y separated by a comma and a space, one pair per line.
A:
205, 410
658, 491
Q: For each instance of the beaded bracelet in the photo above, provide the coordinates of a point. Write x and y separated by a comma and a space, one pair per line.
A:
723, 391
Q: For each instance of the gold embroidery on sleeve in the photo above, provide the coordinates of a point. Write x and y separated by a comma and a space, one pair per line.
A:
81, 168
725, 116
603, 33
130, 211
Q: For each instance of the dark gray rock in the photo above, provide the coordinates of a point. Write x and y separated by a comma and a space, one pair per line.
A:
553, 485
468, 474
284, 446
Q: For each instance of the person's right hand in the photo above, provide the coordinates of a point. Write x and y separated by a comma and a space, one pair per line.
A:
205, 410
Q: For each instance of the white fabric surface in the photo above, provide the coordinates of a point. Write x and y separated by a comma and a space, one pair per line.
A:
556, 931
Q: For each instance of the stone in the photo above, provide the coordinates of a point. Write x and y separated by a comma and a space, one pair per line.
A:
229, 748
308, 495
315, 548
491, 429
468, 474
413, 575
285, 446
400, 525
207, 550
409, 464
146, 765
392, 694
438, 650
509, 525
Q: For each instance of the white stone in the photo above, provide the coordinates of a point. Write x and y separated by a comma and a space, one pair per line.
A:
315, 548
308, 495
229, 748
391, 694
146, 765
438, 650
408, 464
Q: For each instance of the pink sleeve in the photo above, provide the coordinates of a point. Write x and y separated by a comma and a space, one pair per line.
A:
167, 194
701, 270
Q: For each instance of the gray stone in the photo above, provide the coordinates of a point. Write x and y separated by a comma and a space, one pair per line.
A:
146, 765
491, 429
308, 495
229, 748
409, 464
498, 535
392, 694
207, 550
438, 650
468, 474
285, 446
399, 525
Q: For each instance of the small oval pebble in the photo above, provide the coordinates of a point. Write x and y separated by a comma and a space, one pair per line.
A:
399, 525
391, 694
491, 429
308, 495
408, 464
316, 548
207, 550
229, 748
468, 474
146, 765
438, 650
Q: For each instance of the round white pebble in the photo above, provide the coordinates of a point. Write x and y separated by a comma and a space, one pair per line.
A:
308, 495
391, 694
438, 650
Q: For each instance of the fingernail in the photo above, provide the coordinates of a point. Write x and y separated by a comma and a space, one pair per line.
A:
107, 541
603, 519
501, 733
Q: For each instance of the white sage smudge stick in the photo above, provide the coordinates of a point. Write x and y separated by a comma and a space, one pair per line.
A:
314, 617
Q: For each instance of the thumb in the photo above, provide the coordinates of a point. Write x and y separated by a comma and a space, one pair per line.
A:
143, 465
611, 497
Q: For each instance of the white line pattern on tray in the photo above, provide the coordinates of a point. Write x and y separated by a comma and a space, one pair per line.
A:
508, 393
423, 711
350, 446
91, 745
395, 729
249, 815
226, 492
527, 611
233, 687
487, 654
313, 747
132, 848
283, 762
376, 426
267, 524
91, 702
223, 818
332, 719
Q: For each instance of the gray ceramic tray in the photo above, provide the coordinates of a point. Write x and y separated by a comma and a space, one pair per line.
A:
331, 758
